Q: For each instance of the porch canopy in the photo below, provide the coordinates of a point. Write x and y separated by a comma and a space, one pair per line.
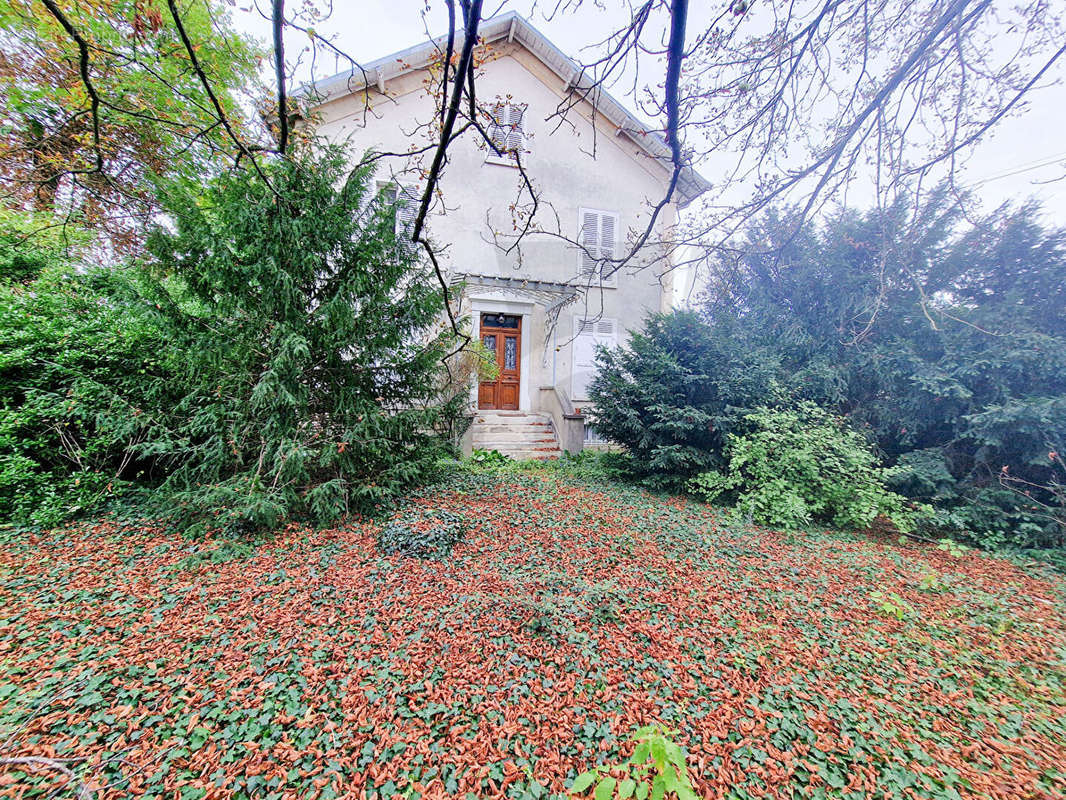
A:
553, 296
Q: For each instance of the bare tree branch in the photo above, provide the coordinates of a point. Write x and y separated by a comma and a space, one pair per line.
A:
279, 71
242, 148
83, 66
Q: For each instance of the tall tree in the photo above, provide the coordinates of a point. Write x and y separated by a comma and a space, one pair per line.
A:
308, 342
101, 95
947, 347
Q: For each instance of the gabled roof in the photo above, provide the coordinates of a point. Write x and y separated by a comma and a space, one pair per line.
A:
513, 27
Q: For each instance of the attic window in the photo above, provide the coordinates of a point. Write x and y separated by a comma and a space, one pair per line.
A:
507, 132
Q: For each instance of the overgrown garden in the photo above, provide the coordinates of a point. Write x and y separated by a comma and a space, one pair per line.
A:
525, 631
239, 556
872, 365
278, 354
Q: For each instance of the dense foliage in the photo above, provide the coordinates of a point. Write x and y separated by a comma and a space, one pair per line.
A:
152, 115
78, 364
427, 533
796, 467
948, 350
309, 345
313, 665
675, 393
281, 355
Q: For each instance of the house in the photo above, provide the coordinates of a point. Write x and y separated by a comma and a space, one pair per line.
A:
541, 303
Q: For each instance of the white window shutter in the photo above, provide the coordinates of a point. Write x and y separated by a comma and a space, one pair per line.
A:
599, 240
590, 242
607, 235
584, 365
515, 131
507, 128
590, 334
406, 210
498, 129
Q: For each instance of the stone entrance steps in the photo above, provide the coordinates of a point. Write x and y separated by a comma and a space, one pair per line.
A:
516, 434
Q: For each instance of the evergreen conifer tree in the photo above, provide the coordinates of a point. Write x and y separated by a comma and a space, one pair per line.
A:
309, 342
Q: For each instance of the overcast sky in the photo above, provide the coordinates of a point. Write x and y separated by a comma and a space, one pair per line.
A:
1022, 158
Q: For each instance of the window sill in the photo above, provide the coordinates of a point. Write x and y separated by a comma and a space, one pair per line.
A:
586, 284
501, 161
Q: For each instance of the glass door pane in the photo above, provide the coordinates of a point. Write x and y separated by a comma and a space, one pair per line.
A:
510, 352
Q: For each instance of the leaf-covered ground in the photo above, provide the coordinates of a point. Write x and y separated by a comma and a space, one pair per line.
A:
316, 666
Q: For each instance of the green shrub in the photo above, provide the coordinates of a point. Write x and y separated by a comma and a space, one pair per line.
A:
672, 396
31, 243
80, 372
796, 467
944, 341
657, 769
488, 458
309, 345
422, 533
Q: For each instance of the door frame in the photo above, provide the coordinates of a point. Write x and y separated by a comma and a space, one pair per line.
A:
491, 305
507, 377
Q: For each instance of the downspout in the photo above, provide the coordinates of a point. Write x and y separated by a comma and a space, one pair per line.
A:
555, 354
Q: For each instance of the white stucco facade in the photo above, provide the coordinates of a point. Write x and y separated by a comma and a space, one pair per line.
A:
576, 165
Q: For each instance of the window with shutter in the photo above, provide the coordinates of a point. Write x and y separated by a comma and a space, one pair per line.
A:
406, 212
589, 334
598, 237
404, 201
516, 136
507, 132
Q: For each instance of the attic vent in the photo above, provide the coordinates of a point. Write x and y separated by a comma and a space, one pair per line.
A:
604, 327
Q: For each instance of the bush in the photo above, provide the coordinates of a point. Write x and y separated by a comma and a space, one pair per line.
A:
30, 243
946, 347
796, 467
80, 370
309, 346
280, 355
422, 533
945, 342
675, 393
488, 458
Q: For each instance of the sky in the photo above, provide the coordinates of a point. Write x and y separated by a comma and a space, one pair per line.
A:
1020, 159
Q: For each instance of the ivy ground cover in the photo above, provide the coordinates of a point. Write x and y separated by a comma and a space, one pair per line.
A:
135, 663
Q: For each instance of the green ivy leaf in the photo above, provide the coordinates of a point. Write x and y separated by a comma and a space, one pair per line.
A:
583, 781
605, 788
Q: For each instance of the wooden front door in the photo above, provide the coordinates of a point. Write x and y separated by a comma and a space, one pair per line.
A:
502, 335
